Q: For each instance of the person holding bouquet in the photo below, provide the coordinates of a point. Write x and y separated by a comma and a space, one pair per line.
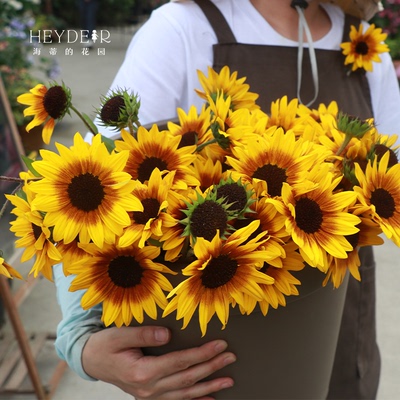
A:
260, 40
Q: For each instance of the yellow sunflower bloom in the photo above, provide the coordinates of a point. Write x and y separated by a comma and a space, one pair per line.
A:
46, 105
364, 47
84, 192
193, 128
126, 281
285, 115
34, 236
148, 223
379, 194
8, 271
229, 85
317, 218
154, 149
367, 236
222, 273
284, 282
277, 159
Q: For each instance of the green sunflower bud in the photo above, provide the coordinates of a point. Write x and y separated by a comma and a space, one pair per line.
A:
119, 110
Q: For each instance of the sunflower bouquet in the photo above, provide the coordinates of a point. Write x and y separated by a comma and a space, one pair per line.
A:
232, 199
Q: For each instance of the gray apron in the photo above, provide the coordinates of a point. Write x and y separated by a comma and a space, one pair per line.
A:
271, 71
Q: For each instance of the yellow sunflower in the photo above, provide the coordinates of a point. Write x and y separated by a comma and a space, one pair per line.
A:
8, 271
207, 171
34, 236
154, 149
148, 223
284, 281
230, 128
285, 115
173, 240
229, 85
193, 128
126, 281
317, 218
364, 47
272, 223
379, 194
46, 105
367, 236
70, 253
84, 192
222, 273
275, 160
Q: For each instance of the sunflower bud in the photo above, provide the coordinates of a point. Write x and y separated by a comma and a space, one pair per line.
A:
120, 110
57, 101
352, 126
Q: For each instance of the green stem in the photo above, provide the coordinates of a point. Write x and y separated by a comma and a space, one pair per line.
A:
82, 119
344, 144
201, 146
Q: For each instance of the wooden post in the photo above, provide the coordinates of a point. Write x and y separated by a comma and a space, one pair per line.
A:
21, 337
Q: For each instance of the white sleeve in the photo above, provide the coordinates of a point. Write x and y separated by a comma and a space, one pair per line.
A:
385, 95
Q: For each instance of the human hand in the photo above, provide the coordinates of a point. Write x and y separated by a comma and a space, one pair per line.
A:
114, 355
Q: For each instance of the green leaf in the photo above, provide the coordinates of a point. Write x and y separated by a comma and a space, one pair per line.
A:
110, 144
28, 162
90, 124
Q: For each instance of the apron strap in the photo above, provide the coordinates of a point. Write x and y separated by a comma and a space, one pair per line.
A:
348, 21
217, 21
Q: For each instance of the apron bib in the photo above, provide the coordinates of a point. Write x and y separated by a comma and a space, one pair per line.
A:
357, 363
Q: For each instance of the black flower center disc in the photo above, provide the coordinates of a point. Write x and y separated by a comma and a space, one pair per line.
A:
381, 149
384, 203
37, 231
86, 192
353, 239
188, 139
233, 194
274, 176
147, 167
55, 102
362, 48
206, 218
308, 215
125, 271
150, 210
218, 272
111, 110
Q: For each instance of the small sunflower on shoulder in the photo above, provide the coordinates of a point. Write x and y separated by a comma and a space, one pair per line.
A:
364, 47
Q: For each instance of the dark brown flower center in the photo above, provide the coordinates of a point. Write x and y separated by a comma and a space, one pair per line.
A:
188, 139
274, 176
218, 272
150, 210
111, 110
384, 203
55, 102
309, 216
361, 48
233, 194
206, 218
381, 149
125, 271
86, 192
148, 165
37, 231
353, 239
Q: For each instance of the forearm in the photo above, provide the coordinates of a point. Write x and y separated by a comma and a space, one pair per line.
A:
76, 325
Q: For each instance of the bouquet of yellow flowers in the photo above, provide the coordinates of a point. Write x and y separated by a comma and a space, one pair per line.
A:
234, 199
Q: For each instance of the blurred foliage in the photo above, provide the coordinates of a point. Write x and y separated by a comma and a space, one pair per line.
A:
389, 21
